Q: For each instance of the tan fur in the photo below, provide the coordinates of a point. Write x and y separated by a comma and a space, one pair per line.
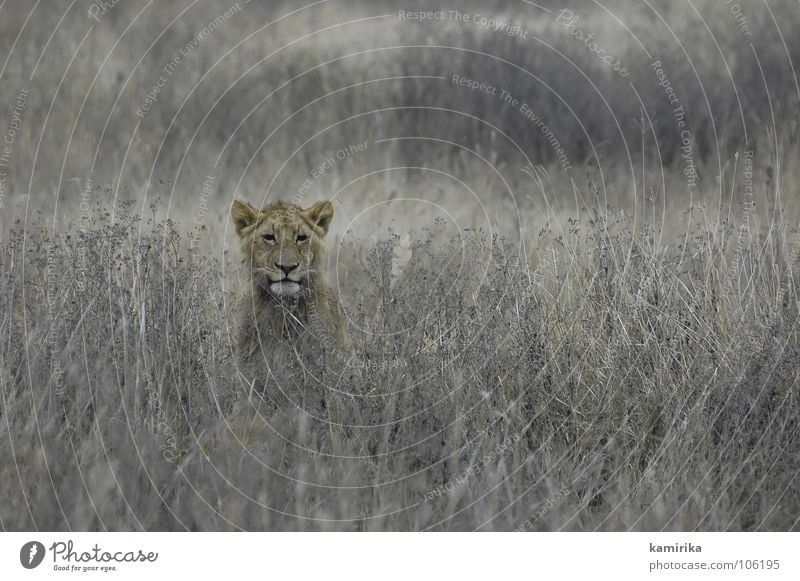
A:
293, 323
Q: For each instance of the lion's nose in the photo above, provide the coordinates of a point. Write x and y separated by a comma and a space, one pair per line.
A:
286, 268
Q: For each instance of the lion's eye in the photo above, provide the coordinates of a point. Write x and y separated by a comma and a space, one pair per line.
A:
302, 237
269, 237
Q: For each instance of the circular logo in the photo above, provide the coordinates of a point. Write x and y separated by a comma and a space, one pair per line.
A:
31, 554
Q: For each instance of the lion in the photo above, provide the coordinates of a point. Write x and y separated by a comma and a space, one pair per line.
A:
291, 314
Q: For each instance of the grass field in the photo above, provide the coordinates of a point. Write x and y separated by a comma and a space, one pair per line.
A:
592, 333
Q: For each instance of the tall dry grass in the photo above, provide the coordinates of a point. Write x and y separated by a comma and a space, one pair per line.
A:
603, 348
640, 387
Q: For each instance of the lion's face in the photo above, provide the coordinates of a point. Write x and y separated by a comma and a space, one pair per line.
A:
283, 243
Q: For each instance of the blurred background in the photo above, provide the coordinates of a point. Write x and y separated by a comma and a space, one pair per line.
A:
494, 115
565, 240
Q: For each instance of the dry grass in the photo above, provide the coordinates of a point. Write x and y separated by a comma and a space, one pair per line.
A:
602, 349
656, 389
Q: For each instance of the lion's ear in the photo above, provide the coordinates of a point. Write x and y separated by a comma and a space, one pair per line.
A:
321, 215
243, 215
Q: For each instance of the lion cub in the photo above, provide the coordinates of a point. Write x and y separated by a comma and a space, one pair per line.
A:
291, 320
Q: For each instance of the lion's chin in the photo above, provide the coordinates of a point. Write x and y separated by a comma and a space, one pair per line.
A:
285, 289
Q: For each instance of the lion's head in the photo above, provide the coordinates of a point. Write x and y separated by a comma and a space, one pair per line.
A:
283, 244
